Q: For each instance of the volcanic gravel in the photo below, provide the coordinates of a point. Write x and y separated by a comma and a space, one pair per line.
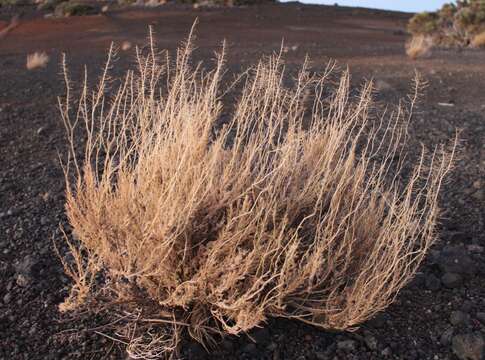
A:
439, 315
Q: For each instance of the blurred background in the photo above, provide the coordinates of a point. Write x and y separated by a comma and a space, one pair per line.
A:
397, 5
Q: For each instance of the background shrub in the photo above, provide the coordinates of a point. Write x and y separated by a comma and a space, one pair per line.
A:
452, 25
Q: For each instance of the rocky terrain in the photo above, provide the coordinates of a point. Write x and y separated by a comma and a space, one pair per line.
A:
440, 315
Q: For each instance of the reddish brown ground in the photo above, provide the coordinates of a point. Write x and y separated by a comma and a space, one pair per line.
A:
370, 42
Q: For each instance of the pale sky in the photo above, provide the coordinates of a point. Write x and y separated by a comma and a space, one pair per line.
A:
401, 5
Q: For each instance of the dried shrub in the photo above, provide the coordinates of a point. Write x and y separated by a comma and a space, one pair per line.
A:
423, 23
454, 25
126, 45
75, 8
479, 40
37, 60
419, 46
200, 219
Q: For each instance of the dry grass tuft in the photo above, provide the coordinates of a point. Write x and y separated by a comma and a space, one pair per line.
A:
37, 60
126, 45
479, 40
419, 46
192, 221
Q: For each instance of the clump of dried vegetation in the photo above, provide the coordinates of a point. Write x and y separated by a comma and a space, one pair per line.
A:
37, 60
479, 40
418, 46
454, 25
195, 219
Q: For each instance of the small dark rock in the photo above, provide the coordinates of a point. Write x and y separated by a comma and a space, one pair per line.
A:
272, 346
481, 317
477, 249
467, 306
7, 298
445, 338
432, 282
347, 345
33, 330
321, 356
196, 351
387, 352
459, 318
378, 321
261, 335
468, 346
227, 345
452, 280
454, 259
370, 341
26, 265
250, 349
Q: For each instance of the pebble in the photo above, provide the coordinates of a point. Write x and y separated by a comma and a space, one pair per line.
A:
7, 298
272, 346
468, 346
347, 345
250, 349
454, 259
26, 265
459, 318
477, 249
370, 341
227, 345
23, 280
445, 338
479, 195
432, 282
321, 356
387, 352
378, 321
261, 335
452, 280
481, 317
33, 330
196, 350
467, 306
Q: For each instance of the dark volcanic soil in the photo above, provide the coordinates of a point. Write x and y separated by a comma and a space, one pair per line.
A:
441, 312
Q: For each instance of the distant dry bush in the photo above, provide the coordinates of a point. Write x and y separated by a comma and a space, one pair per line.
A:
126, 45
456, 24
37, 60
193, 218
479, 40
419, 46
